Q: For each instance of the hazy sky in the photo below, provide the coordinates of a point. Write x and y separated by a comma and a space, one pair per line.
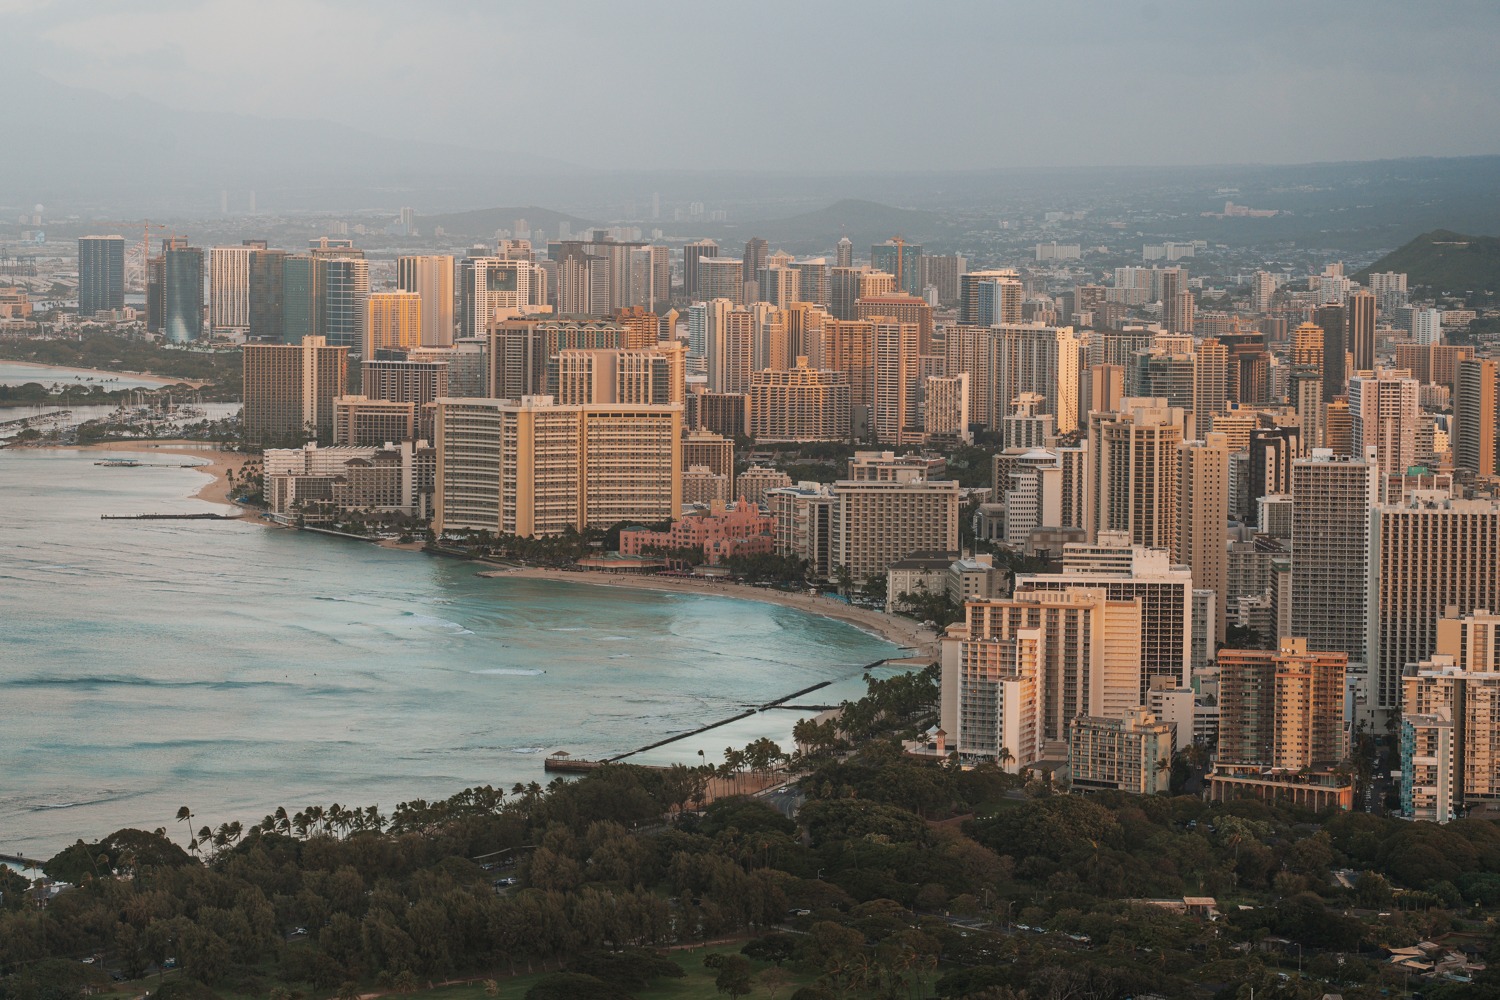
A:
814, 85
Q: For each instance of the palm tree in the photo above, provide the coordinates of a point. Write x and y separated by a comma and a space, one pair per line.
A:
184, 813
1006, 757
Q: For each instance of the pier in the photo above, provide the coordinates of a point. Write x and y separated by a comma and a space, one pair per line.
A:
16, 859
578, 765
169, 517
130, 463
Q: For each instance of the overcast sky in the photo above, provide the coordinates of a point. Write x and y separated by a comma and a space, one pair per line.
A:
810, 85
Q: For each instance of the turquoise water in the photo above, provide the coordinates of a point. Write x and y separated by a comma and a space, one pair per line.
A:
146, 665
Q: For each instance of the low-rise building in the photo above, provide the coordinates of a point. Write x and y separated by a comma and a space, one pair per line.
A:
1133, 754
717, 533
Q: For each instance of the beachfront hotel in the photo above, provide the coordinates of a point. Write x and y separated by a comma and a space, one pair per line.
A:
537, 467
290, 389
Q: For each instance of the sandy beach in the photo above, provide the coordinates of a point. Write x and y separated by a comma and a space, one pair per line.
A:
922, 642
901, 631
100, 374
215, 463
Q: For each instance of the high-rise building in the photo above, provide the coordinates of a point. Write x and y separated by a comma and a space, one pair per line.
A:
1361, 309
1450, 714
393, 322
803, 404
290, 388
1476, 417
229, 289
877, 523
343, 285
1283, 708
1202, 513
1133, 471
655, 374
716, 452
849, 347
267, 295
1039, 359
753, 260
1383, 412
416, 381
902, 259
182, 294
523, 352
986, 298
721, 278
1088, 662
1332, 496
1332, 321
493, 289
844, 254
1429, 555
301, 298
431, 277
945, 407
897, 381
535, 467
691, 254
968, 350
1210, 383
1427, 326
359, 421
101, 274
1161, 645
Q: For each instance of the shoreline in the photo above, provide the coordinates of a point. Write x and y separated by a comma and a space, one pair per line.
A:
160, 380
921, 643
216, 465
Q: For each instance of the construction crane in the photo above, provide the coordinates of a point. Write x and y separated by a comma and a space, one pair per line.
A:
146, 226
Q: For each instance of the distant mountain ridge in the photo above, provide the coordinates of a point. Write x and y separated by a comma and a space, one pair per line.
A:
863, 222
1444, 261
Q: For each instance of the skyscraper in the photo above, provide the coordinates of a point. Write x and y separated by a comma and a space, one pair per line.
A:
182, 294
754, 259
844, 255
431, 277
1133, 471
1383, 411
301, 298
988, 298
267, 295
1476, 417
902, 259
721, 278
897, 380
1040, 359
1428, 554
343, 285
101, 274
877, 523
1361, 314
393, 321
691, 254
229, 289
1332, 496
1449, 712
1202, 512
290, 389
1331, 320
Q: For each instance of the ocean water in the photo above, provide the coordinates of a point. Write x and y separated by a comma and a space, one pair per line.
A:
146, 665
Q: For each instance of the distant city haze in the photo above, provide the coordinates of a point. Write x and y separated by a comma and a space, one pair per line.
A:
849, 87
